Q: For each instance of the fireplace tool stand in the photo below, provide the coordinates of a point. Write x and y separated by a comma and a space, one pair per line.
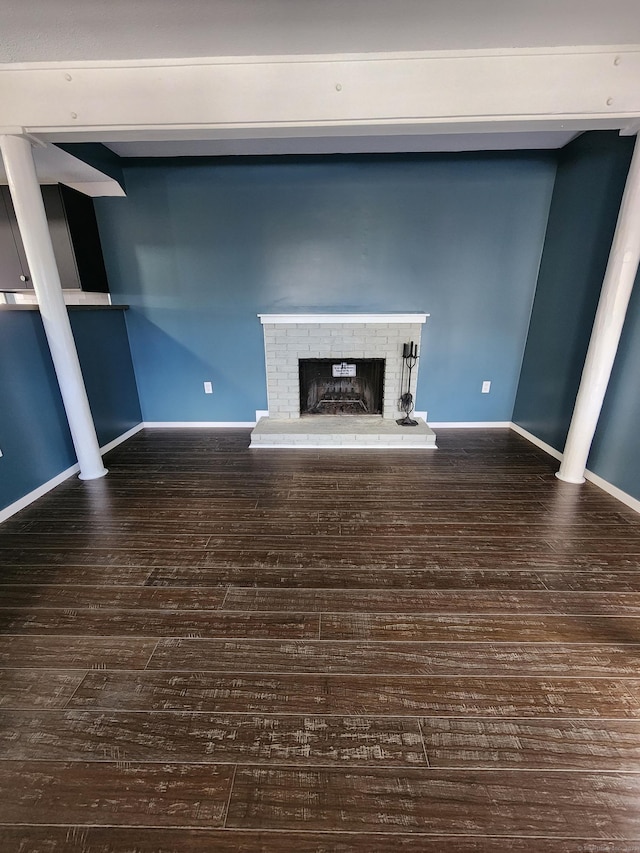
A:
409, 360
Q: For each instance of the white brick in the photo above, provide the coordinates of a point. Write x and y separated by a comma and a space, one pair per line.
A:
285, 344
298, 334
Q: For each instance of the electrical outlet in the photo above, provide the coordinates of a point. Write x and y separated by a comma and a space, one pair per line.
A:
486, 386
208, 388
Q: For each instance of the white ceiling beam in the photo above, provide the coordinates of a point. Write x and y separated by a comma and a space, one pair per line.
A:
444, 91
56, 166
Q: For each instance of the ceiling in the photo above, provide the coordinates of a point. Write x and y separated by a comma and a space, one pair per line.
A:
59, 31
414, 143
62, 30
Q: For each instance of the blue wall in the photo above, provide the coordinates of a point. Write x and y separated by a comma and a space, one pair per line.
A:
590, 181
615, 454
198, 248
105, 358
34, 436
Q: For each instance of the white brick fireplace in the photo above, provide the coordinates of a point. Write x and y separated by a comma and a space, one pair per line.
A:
291, 337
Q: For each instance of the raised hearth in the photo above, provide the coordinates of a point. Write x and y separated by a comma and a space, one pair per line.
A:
355, 432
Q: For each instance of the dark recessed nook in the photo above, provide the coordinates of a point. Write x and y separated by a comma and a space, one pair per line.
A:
341, 386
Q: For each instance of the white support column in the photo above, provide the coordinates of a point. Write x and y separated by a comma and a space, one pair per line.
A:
607, 328
32, 220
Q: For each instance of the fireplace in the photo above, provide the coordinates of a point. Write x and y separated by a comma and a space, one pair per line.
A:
336, 338
350, 386
335, 380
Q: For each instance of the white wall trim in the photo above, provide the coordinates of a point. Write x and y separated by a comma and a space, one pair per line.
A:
537, 441
603, 484
471, 424
197, 424
261, 413
614, 491
42, 490
342, 318
125, 435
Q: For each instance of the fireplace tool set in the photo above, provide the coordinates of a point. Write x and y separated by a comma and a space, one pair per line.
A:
409, 361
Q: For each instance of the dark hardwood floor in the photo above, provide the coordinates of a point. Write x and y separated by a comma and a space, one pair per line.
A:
216, 649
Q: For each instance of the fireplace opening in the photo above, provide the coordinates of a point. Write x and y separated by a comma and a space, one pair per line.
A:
334, 386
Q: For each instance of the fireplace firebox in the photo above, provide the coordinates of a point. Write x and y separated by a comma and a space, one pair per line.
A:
341, 386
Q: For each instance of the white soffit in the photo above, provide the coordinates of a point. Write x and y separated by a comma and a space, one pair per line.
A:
263, 146
53, 166
559, 89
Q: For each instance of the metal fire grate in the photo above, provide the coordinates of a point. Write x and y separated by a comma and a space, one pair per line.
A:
341, 386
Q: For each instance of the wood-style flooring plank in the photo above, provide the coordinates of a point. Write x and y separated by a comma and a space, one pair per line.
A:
67, 575
397, 658
537, 561
605, 581
465, 802
138, 623
620, 544
475, 557
313, 578
199, 530
114, 793
403, 627
37, 689
71, 541
392, 695
496, 602
35, 597
93, 839
414, 531
211, 738
121, 559
532, 744
399, 546
74, 653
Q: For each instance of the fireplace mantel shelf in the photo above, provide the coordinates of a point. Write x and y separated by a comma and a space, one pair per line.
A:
266, 319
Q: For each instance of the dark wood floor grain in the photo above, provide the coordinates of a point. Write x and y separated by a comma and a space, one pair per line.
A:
213, 738
218, 649
459, 802
95, 839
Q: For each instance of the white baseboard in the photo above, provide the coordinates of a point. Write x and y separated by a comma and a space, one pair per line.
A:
614, 491
470, 424
603, 484
261, 413
42, 490
537, 441
125, 435
197, 424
